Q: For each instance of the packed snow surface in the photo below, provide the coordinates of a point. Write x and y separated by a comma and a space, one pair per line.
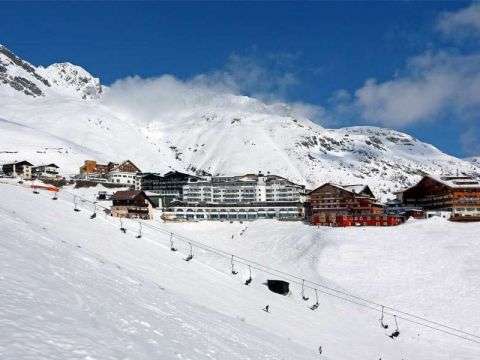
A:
78, 288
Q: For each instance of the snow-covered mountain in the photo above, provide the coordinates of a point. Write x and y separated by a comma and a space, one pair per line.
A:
57, 79
475, 160
63, 114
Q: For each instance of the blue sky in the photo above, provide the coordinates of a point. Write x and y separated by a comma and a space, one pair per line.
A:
392, 64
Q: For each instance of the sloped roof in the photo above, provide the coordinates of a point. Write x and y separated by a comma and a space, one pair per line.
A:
454, 182
49, 165
358, 189
24, 162
126, 195
116, 166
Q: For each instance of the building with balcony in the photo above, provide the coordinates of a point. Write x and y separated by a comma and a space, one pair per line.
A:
134, 204
49, 171
343, 205
459, 195
22, 169
242, 189
178, 210
169, 186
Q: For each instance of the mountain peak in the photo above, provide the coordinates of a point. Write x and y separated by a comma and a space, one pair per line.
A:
68, 77
65, 79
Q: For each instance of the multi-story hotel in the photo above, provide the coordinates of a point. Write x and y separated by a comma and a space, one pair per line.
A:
246, 197
242, 189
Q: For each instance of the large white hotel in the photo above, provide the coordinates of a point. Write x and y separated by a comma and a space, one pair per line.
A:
246, 197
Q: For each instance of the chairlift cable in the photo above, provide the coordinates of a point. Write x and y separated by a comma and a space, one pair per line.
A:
339, 294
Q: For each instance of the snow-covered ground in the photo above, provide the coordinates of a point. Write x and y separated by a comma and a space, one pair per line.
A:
73, 287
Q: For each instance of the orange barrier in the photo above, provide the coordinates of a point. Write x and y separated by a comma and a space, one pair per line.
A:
45, 187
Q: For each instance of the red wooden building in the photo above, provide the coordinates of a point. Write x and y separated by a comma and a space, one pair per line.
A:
346, 205
459, 195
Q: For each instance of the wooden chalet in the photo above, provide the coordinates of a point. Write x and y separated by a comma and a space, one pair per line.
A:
134, 204
48, 171
92, 167
22, 169
344, 205
459, 195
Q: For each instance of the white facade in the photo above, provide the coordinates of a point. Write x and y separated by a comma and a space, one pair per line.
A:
22, 171
122, 178
46, 171
243, 189
238, 212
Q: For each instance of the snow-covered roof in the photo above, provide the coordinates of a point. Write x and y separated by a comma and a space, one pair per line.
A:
454, 182
357, 189
457, 181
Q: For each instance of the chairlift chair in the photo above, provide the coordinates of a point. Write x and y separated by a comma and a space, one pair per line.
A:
172, 245
122, 229
139, 230
316, 305
234, 272
382, 324
249, 280
75, 208
396, 333
94, 215
190, 255
305, 298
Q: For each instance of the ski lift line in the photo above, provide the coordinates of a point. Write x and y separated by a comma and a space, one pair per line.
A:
262, 269
367, 303
358, 303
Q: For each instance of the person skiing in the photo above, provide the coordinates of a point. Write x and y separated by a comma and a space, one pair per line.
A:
266, 308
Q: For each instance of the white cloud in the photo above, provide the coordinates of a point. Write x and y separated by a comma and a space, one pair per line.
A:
465, 22
433, 86
156, 98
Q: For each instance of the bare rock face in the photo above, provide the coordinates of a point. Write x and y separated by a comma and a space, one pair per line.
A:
72, 78
20, 75
64, 78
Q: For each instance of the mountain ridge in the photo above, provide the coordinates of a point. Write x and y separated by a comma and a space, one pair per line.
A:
218, 133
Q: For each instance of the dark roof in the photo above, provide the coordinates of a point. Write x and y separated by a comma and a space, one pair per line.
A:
49, 165
130, 195
357, 189
127, 194
24, 162
179, 175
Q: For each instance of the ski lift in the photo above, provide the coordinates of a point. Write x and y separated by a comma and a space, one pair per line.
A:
139, 230
122, 229
315, 306
396, 333
35, 191
249, 280
55, 197
172, 246
305, 298
382, 324
75, 207
234, 272
94, 215
190, 254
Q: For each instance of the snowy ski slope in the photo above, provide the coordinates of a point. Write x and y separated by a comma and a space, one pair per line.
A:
79, 288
